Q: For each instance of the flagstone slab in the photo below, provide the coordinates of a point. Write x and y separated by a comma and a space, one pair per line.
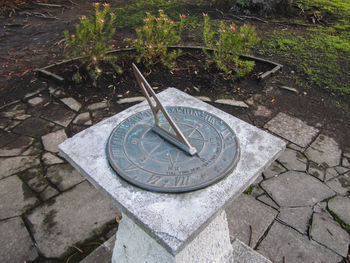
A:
245, 214
16, 198
17, 164
36, 101
340, 184
296, 217
49, 159
317, 171
98, 105
16, 146
15, 242
262, 111
33, 127
329, 233
64, 176
83, 119
324, 151
292, 129
58, 113
14, 111
283, 243
268, 201
293, 160
331, 173
72, 103
70, 218
53, 139
340, 205
293, 189
7, 138
273, 170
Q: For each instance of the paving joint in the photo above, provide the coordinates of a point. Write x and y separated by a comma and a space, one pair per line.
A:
328, 174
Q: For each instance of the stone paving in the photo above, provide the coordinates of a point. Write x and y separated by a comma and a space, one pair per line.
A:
297, 211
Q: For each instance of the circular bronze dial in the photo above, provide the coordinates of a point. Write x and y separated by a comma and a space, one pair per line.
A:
145, 159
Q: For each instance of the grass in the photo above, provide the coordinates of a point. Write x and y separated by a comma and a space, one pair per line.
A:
132, 15
321, 54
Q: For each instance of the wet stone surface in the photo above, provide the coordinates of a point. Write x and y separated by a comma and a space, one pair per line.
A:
57, 225
44, 200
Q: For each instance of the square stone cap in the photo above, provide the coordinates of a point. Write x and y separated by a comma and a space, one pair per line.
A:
171, 219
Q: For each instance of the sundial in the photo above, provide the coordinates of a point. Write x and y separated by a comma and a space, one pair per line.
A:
171, 149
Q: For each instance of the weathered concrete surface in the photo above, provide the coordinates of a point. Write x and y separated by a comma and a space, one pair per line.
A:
15, 242
293, 160
211, 244
16, 197
284, 242
296, 217
56, 225
159, 212
292, 129
245, 214
341, 207
64, 176
325, 151
284, 187
330, 234
18, 164
53, 139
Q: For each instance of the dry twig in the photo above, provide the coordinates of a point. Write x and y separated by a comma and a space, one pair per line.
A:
251, 236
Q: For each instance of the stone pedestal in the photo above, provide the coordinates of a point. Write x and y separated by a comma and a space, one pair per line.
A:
184, 227
212, 244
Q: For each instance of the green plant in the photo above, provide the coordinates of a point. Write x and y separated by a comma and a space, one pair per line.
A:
89, 41
249, 190
227, 43
155, 36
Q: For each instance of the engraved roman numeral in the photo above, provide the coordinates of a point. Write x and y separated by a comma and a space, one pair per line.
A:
154, 179
210, 119
181, 180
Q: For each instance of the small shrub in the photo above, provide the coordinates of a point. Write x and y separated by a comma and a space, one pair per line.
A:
154, 37
89, 41
228, 43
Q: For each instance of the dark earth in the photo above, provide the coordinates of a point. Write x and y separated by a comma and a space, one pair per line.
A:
31, 37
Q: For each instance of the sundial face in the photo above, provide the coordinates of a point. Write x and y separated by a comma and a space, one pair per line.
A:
145, 159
